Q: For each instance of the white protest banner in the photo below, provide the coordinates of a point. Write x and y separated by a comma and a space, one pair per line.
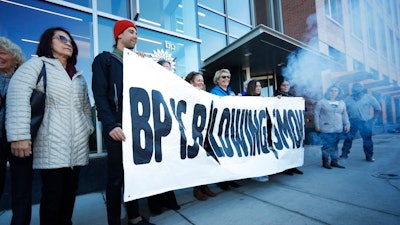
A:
165, 121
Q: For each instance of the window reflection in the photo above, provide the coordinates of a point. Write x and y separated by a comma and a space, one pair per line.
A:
217, 5
119, 8
173, 15
86, 3
241, 13
184, 52
236, 29
214, 42
210, 19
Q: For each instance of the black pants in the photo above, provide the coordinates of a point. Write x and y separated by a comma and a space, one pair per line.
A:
21, 184
58, 195
115, 182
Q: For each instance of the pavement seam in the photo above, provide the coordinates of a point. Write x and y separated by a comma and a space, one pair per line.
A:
321, 197
278, 206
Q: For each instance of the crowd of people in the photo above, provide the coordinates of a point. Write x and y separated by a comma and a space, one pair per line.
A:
61, 147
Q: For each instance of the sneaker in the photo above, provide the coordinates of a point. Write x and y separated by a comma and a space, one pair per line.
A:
344, 156
370, 159
261, 179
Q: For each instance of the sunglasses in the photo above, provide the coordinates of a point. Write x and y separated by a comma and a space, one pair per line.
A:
226, 77
64, 39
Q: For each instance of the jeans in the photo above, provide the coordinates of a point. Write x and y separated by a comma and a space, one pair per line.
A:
115, 182
365, 129
330, 145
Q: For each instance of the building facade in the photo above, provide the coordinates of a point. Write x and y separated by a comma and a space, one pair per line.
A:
349, 40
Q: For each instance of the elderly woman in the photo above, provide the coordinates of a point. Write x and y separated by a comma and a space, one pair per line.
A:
11, 58
222, 78
61, 146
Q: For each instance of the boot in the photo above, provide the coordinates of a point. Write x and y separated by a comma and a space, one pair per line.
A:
335, 163
325, 163
206, 190
197, 193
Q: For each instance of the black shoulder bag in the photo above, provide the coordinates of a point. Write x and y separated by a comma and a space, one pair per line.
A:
38, 102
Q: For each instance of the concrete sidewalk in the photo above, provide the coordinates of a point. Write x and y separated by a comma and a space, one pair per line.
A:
363, 193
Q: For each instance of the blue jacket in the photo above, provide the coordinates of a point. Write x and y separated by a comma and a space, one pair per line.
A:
217, 90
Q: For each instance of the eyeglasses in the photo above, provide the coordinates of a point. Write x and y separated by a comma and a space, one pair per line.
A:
63, 39
226, 77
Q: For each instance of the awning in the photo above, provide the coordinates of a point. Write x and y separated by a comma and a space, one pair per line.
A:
263, 50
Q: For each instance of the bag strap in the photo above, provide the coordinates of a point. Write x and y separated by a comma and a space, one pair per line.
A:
43, 74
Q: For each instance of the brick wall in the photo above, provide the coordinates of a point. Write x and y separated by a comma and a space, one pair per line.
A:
294, 15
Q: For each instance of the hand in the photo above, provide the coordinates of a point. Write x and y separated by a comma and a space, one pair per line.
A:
317, 129
117, 134
346, 130
141, 54
21, 148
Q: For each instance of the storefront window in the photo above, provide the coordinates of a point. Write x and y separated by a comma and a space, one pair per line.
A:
184, 52
118, 8
236, 29
210, 19
173, 15
106, 35
212, 42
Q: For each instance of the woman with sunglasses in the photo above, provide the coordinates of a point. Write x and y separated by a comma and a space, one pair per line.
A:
222, 79
61, 146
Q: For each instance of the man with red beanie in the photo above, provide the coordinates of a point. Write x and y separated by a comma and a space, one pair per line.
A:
107, 84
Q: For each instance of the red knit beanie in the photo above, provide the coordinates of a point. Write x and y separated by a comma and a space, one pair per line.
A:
120, 26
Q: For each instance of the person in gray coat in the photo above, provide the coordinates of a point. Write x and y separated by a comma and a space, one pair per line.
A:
61, 146
11, 58
331, 119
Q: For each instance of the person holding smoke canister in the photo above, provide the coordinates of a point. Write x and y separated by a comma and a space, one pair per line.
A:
61, 146
199, 192
330, 118
358, 107
284, 91
107, 84
11, 58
